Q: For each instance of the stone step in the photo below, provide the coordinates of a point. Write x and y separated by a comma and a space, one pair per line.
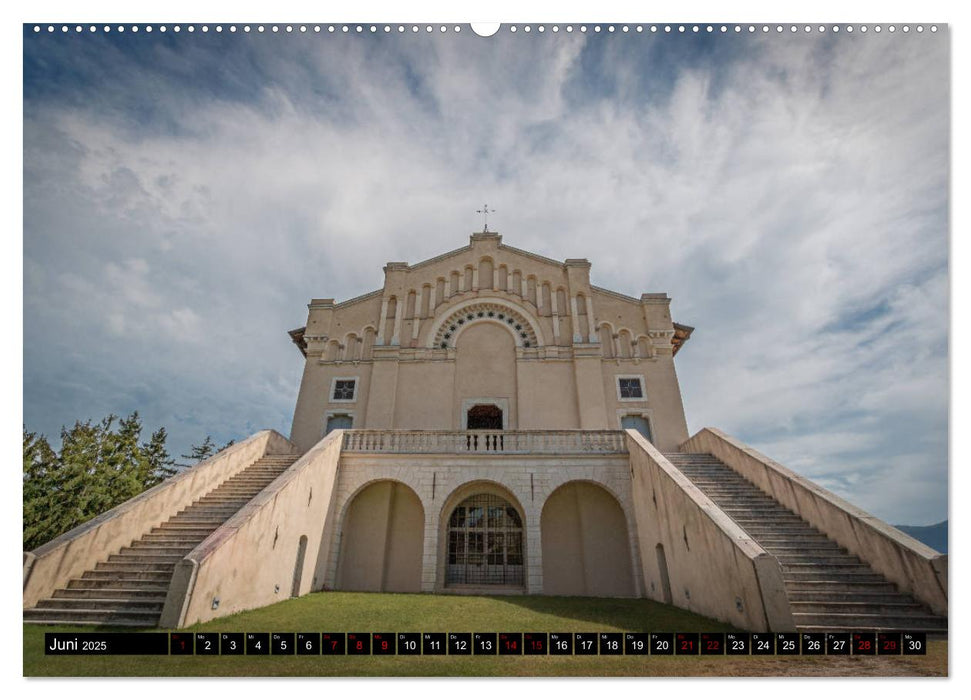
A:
139, 558
842, 577
105, 579
222, 501
168, 541
161, 575
767, 509
820, 560
176, 541
182, 529
225, 513
854, 588
824, 569
872, 623
820, 550
826, 547
149, 592
796, 541
123, 617
104, 603
842, 595
133, 567
858, 608
756, 519
197, 520
154, 548
792, 527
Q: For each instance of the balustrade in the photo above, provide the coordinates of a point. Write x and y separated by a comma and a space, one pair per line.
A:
486, 441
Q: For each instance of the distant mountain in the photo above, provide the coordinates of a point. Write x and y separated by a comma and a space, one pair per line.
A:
934, 536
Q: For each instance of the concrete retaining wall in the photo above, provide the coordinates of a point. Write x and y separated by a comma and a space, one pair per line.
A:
913, 566
52, 565
713, 567
251, 560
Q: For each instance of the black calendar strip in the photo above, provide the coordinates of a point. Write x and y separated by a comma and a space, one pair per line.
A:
486, 643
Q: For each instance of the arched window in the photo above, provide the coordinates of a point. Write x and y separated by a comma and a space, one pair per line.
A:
485, 543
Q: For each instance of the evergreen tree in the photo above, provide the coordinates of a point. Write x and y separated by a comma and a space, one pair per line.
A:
99, 467
207, 449
40, 465
161, 466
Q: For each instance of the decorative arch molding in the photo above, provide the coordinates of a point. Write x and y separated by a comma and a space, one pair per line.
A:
448, 325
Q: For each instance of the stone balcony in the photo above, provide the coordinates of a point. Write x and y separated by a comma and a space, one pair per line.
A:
511, 442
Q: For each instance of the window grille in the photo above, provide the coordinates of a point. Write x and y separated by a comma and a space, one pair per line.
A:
630, 389
485, 543
344, 389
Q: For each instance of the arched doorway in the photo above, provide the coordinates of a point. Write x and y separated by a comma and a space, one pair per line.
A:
484, 417
586, 548
381, 540
484, 543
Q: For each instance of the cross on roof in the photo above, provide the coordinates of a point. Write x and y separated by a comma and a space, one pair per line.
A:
485, 211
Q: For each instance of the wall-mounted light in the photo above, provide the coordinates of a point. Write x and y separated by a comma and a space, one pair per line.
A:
215, 603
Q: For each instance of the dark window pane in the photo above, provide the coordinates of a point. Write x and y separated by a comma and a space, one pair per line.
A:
631, 389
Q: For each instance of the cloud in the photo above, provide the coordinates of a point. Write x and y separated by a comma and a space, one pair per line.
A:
184, 200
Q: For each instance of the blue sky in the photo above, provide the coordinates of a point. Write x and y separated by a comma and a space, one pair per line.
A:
186, 195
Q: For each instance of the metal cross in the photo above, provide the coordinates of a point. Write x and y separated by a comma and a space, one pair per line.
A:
485, 211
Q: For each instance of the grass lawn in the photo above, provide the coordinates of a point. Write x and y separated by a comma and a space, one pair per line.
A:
384, 612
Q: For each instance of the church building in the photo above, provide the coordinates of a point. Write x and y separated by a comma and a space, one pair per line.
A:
488, 421
512, 354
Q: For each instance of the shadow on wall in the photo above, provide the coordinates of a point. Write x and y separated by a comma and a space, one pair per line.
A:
628, 614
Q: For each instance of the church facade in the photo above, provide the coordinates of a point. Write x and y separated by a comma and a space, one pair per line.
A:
508, 352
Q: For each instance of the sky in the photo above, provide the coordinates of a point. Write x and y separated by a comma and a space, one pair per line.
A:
186, 195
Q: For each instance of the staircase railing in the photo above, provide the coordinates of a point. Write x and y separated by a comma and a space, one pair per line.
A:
52, 565
913, 566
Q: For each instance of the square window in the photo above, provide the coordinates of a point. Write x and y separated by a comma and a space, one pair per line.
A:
344, 389
630, 388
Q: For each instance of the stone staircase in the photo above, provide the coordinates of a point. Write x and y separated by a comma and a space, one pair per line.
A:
828, 589
128, 589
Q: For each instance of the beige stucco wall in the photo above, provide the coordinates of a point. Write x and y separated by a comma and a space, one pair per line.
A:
381, 541
485, 367
249, 561
912, 565
713, 566
585, 542
564, 379
52, 565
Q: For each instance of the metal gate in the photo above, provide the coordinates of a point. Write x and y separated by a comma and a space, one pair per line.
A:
485, 543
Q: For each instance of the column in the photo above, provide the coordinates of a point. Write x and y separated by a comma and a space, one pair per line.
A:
475, 278
556, 317
577, 338
591, 324
415, 321
396, 334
